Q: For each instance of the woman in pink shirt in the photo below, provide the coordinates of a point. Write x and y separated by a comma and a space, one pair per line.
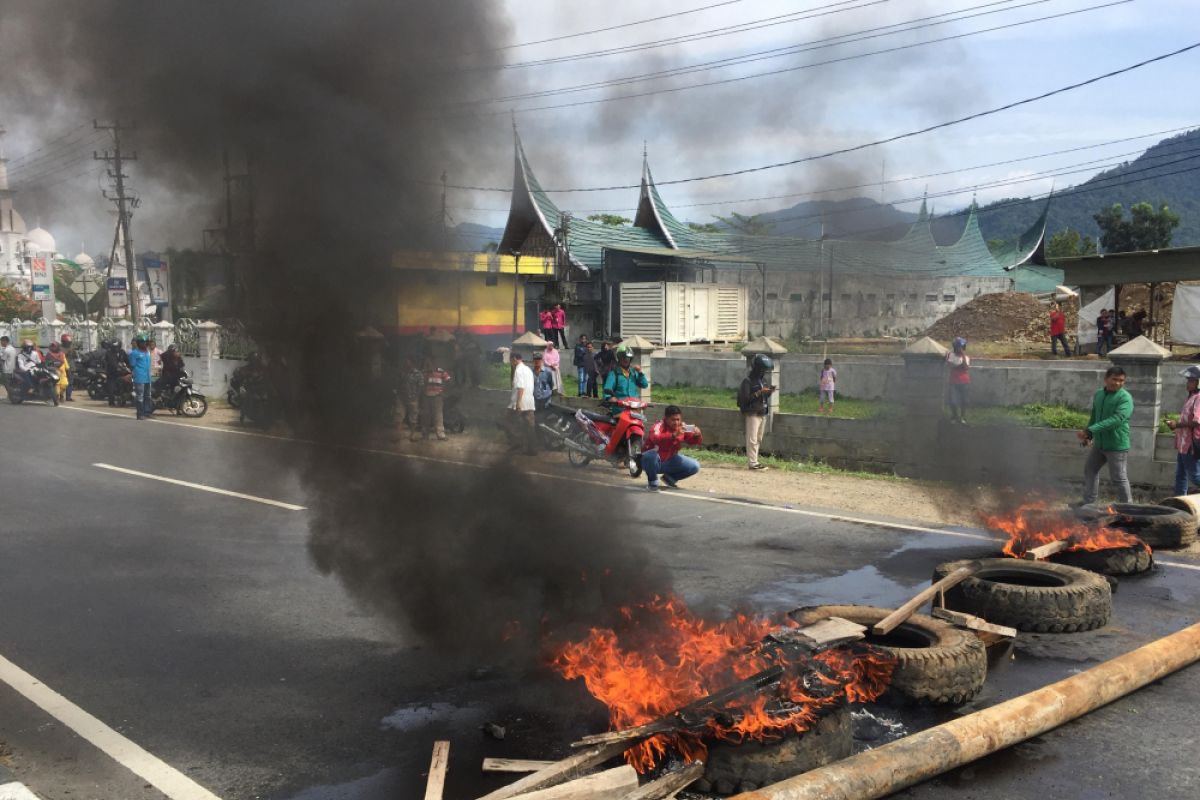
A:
559, 318
550, 360
546, 320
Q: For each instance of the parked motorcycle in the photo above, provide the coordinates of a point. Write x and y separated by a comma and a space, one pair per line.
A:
45, 386
615, 437
555, 424
181, 398
257, 402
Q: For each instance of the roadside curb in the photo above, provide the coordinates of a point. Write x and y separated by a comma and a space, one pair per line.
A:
14, 790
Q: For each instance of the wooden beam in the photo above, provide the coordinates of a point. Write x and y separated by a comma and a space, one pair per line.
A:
897, 617
972, 622
437, 770
1046, 550
514, 765
562, 771
611, 784
668, 785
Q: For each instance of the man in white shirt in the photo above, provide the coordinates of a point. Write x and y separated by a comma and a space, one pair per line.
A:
8, 357
521, 430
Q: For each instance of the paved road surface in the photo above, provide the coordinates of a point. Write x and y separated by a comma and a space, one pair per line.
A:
194, 625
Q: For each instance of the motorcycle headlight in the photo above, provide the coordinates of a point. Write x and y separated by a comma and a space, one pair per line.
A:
635, 415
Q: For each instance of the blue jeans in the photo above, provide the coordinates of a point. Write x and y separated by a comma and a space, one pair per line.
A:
142, 403
1187, 470
673, 470
582, 376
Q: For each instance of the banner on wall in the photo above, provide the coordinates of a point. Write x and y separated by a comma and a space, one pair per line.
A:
1088, 315
158, 277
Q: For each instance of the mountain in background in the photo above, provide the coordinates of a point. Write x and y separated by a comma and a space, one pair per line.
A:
864, 218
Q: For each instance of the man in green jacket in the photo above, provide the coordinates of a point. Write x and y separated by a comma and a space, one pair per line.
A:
625, 380
1108, 433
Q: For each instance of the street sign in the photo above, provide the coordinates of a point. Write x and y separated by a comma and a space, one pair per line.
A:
40, 279
118, 293
87, 285
158, 277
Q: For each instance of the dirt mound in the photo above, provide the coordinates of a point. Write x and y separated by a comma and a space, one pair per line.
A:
999, 317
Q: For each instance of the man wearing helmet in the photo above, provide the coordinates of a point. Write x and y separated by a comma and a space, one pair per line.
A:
139, 365
754, 397
114, 360
626, 380
1187, 435
27, 359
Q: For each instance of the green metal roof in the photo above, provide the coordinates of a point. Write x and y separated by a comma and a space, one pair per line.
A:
534, 218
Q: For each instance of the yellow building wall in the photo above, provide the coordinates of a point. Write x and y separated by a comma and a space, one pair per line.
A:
429, 298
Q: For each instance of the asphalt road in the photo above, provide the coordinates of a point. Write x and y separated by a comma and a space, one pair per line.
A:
194, 624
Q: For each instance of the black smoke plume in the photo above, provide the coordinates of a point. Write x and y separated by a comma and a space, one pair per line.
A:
332, 104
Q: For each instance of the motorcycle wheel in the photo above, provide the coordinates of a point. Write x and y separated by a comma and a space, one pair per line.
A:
457, 425
194, 406
94, 392
577, 458
231, 397
14, 396
54, 396
633, 456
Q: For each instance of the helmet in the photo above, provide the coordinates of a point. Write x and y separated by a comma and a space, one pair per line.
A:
66, 338
762, 363
960, 343
1191, 373
623, 351
141, 338
171, 348
26, 344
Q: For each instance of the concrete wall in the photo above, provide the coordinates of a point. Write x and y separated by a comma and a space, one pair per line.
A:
994, 382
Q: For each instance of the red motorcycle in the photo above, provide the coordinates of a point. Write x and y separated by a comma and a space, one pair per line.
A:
615, 436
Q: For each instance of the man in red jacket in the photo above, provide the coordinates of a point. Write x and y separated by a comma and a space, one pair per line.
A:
1058, 331
660, 450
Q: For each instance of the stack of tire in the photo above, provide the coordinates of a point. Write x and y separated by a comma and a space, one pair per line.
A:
1167, 526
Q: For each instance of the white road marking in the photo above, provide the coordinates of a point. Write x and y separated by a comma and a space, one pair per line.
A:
683, 494
161, 775
16, 791
203, 487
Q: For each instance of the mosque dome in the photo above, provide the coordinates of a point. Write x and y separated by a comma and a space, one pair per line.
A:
40, 240
84, 260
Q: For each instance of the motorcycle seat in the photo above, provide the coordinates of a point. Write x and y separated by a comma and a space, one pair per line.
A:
597, 416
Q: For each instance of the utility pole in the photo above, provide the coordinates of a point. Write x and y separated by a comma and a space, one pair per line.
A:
124, 205
230, 236
516, 286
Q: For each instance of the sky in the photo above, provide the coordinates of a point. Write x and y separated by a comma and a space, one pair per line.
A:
807, 110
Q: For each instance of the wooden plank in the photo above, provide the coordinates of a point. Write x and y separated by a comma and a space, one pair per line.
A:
832, 631
437, 770
562, 771
611, 784
668, 785
514, 764
1046, 550
973, 622
894, 620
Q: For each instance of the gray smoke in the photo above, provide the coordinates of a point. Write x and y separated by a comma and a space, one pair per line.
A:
332, 102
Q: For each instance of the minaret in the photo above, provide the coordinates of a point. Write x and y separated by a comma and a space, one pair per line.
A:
8, 233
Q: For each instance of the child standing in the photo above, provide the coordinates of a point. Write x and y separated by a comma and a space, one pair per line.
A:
826, 386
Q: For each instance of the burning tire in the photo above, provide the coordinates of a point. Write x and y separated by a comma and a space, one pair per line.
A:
1161, 527
937, 663
745, 766
1031, 595
1113, 561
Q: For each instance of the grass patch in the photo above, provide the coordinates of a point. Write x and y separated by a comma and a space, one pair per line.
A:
737, 459
1034, 415
499, 376
803, 403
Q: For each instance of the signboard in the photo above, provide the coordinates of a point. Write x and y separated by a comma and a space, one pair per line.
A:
118, 293
40, 279
159, 279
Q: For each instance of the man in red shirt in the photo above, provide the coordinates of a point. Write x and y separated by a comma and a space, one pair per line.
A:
959, 380
1058, 331
660, 450
559, 319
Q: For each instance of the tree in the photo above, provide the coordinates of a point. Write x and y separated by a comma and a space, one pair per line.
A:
490, 247
1068, 243
747, 226
1146, 229
15, 304
704, 227
615, 220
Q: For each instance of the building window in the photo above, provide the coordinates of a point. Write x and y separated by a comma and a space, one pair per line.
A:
772, 296
912, 297
871, 298
796, 297
845, 298
931, 298
491, 280
825, 297
947, 298
891, 297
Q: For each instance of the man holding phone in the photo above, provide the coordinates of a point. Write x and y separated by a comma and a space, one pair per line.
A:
660, 450
754, 397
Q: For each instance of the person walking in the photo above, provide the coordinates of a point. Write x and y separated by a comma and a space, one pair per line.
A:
1058, 331
1107, 432
660, 450
546, 321
826, 386
8, 358
139, 366
1103, 332
552, 359
70, 359
56, 361
959, 381
436, 380
115, 359
558, 318
543, 383
1187, 435
581, 374
519, 423
753, 400
591, 372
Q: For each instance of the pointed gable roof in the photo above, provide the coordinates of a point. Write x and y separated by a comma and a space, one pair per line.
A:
531, 211
652, 212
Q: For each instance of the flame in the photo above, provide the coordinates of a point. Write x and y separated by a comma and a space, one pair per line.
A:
1035, 524
666, 657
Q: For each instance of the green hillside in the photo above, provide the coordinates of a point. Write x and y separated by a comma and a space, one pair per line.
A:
1005, 219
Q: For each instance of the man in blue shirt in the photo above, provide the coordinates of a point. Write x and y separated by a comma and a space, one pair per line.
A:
543, 383
139, 365
626, 380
